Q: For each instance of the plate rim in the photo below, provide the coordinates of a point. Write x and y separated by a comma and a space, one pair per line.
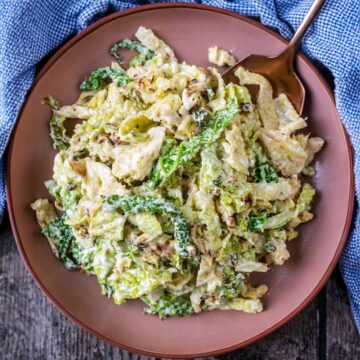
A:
59, 52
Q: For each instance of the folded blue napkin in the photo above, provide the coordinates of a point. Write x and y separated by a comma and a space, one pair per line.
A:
31, 29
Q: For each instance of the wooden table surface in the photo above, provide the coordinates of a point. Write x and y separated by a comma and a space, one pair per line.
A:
31, 327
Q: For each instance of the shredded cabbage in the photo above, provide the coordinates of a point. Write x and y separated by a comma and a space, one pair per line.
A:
174, 186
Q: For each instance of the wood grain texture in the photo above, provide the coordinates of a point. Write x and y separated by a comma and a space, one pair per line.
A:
343, 341
31, 328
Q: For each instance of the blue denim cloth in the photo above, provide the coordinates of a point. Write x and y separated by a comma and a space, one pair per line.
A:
31, 29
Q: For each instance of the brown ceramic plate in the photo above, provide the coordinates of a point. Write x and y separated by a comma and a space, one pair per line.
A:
190, 30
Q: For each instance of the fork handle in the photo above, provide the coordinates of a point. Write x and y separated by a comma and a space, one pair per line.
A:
305, 24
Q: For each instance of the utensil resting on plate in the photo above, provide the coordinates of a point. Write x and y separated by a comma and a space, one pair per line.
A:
279, 70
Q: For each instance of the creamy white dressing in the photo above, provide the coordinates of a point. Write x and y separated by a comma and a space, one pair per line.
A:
228, 186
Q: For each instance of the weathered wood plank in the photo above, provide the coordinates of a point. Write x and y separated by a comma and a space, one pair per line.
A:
342, 337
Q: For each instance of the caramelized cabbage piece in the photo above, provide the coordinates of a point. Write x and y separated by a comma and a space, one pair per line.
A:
220, 57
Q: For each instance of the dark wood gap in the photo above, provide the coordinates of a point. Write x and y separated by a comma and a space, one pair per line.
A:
322, 311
